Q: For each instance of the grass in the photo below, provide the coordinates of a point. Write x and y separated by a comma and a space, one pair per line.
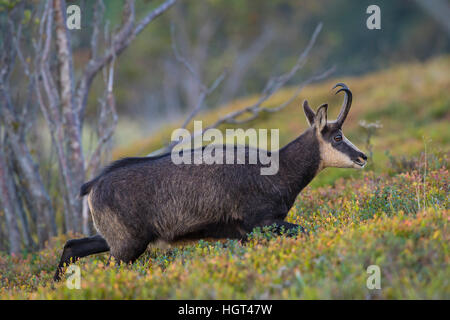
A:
394, 214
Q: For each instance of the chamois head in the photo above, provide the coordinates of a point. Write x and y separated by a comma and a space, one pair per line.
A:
335, 149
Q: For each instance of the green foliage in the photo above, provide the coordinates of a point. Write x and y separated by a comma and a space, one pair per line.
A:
399, 223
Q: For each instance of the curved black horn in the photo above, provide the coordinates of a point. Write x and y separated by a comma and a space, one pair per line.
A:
347, 102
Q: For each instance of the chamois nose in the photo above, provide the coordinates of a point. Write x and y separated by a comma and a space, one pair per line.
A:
362, 155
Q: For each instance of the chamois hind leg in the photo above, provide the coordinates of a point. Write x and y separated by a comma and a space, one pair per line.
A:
79, 248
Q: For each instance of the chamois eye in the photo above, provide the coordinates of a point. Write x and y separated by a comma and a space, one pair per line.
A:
338, 138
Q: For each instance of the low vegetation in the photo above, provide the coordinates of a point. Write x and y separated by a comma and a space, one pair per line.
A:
394, 215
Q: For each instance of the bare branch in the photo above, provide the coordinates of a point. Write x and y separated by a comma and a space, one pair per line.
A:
105, 132
18, 152
99, 9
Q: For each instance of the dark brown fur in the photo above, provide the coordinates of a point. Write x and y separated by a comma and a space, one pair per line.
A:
137, 201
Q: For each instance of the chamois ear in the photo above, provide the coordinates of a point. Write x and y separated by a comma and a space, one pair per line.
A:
310, 115
321, 117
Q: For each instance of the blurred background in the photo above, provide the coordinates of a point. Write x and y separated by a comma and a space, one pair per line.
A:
399, 76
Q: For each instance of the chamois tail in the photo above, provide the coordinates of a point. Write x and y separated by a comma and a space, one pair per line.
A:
86, 188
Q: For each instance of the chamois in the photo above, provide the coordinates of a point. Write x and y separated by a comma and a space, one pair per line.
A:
137, 201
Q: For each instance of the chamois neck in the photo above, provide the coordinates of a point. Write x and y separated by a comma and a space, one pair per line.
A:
299, 161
